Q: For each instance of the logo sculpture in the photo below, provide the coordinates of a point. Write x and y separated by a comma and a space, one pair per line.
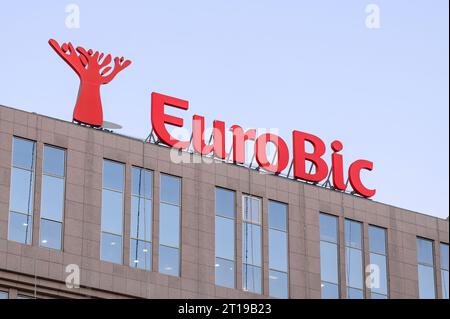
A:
93, 69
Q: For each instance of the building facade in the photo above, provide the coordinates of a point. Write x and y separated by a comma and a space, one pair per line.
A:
119, 215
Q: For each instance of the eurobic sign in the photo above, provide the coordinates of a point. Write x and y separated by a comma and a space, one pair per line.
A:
93, 70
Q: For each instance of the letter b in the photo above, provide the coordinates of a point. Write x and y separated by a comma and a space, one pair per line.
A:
300, 157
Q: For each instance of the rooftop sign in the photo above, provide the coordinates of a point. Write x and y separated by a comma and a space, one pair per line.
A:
93, 70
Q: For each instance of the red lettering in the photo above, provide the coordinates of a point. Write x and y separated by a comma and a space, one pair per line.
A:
337, 166
354, 173
282, 153
300, 157
198, 129
159, 119
239, 138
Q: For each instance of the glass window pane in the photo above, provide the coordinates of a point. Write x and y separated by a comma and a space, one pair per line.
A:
225, 238
3, 295
377, 240
444, 283
141, 218
50, 234
354, 293
353, 268
251, 244
352, 234
251, 212
113, 175
22, 190
278, 284
251, 278
142, 182
169, 225
425, 251
169, 260
377, 296
329, 291
426, 282
112, 212
111, 248
224, 273
140, 254
328, 228
24, 153
379, 275
225, 203
170, 189
444, 256
54, 159
52, 199
278, 250
329, 262
277, 215
20, 227
256, 210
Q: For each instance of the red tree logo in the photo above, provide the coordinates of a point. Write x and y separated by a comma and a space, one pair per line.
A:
92, 69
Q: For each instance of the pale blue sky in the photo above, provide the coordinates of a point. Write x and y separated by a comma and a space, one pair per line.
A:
307, 65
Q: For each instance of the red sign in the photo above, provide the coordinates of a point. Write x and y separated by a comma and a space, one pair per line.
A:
159, 120
94, 70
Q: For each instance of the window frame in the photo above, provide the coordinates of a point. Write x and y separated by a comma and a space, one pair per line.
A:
337, 244
286, 231
121, 262
31, 190
260, 225
180, 205
152, 203
63, 212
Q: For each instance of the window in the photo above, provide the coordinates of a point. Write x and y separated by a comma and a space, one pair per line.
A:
22, 191
251, 245
52, 197
378, 262
112, 212
329, 256
278, 250
4, 295
141, 218
353, 259
225, 238
444, 270
169, 225
425, 269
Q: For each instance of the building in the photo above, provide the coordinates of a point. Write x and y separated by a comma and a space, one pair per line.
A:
132, 224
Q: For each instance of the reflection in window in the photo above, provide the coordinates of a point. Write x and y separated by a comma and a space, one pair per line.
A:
141, 218
353, 259
225, 238
444, 270
251, 245
329, 256
425, 268
112, 212
22, 190
169, 225
278, 250
52, 197
378, 262
3, 295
